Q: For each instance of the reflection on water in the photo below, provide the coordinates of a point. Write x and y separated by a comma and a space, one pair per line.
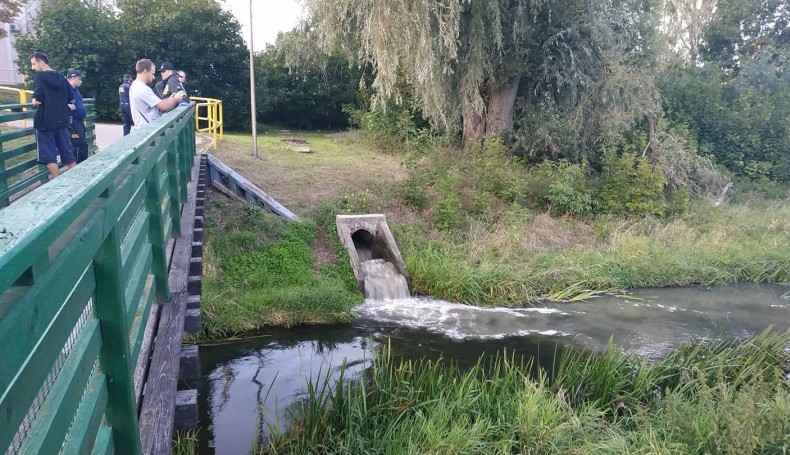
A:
251, 382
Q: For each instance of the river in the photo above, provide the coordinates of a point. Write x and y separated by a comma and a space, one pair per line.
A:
250, 383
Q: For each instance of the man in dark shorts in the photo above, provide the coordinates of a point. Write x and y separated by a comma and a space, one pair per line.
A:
123, 101
52, 96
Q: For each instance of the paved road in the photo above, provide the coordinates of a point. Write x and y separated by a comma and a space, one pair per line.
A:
107, 133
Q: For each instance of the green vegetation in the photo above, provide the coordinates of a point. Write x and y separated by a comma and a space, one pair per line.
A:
260, 270
185, 443
114, 35
724, 398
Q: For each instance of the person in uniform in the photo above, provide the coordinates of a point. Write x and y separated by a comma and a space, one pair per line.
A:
182, 79
123, 101
169, 83
79, 145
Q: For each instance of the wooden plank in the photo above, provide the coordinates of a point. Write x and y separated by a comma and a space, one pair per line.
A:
239, 180
34, 313
27, 227
192, 321
17, 169
189, 364
137, 282
16, 151
16, 134
20, 390
140, 319
156, 416
110, 305
132, 244
144, 354
104, 442
186, 412
63, 399
158, 408
133, 208
86, 424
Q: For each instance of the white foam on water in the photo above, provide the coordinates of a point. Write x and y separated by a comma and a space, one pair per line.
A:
461, 322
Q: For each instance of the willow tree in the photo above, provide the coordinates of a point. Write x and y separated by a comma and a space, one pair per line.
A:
449, 51
467, 59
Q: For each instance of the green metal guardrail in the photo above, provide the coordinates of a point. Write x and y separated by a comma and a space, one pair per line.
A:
82, 259
18, 167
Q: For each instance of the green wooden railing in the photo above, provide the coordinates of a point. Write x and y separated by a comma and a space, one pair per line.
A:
18, 167
82, 260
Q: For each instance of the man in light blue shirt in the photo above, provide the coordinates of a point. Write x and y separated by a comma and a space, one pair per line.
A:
145, 105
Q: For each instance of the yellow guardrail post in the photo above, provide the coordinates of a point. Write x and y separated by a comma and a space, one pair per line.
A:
213, 118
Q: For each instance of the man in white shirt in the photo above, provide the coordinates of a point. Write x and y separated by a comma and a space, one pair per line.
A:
145, 105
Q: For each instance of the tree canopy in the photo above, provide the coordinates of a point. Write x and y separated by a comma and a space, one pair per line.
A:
197, 36
467, 60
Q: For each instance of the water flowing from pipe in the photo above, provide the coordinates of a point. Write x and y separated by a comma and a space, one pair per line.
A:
383, 281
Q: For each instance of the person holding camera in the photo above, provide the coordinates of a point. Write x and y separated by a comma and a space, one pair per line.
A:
146, 105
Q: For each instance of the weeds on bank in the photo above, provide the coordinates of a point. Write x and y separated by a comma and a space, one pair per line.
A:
703, 398
259, 269
185, 443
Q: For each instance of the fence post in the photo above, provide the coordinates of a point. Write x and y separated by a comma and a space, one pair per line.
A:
115, 357
156, 234
173, 187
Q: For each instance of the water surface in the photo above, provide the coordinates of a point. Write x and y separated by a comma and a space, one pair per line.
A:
251, 382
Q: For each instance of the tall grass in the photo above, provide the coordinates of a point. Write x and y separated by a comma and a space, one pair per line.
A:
703, 398
185, 443
708, 245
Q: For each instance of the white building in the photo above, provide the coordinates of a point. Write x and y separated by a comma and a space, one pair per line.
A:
9, 70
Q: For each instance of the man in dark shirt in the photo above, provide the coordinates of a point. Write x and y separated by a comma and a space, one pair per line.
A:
169, 83
182, 79
79, 144
123, 101
53, 97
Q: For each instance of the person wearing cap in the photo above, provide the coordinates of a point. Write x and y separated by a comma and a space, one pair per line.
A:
52, 98
169, 83
182, 79
123, 102
79, 144
146, 106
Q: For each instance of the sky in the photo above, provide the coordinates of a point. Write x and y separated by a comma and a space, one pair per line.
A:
269, 18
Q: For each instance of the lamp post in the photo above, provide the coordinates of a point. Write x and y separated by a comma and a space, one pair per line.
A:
252, 92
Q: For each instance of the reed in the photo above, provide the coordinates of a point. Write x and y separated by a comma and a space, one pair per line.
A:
712, 397
185, 443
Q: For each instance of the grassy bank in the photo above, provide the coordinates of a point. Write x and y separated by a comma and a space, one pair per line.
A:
262, 270
532, 256
702, 398
478, 239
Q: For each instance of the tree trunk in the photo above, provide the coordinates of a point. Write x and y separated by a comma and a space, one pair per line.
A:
652, 144
474, 124
497, 117
501, 102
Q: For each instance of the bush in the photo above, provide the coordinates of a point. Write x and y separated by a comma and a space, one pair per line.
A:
630, 186
447, 209
561, 187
